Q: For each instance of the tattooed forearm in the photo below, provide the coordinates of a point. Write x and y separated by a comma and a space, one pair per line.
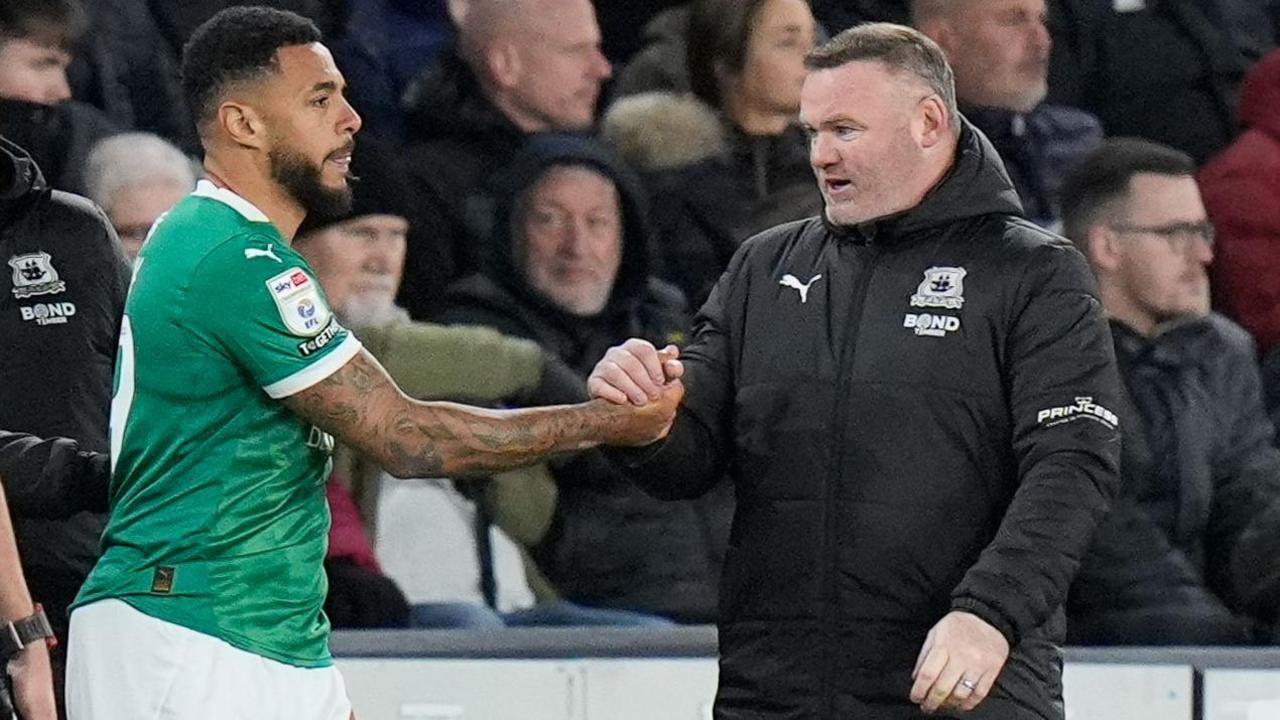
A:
473, 440
362, 407
338, 400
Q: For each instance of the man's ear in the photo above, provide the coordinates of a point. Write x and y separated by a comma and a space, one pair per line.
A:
243, 124
1102, 248
503, 61
933, 121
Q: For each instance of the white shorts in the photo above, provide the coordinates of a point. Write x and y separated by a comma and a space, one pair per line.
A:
125, 665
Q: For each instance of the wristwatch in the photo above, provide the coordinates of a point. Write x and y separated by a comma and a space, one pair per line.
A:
16, 635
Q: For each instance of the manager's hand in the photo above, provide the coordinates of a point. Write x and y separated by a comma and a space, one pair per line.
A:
635, 372
959, 663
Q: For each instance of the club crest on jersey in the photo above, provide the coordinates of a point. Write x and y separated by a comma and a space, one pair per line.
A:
33, 274
943, 287
300, 303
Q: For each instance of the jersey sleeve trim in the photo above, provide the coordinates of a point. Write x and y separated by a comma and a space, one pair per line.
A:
317, 371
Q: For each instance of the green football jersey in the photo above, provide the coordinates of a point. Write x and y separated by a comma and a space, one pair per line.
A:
218, 515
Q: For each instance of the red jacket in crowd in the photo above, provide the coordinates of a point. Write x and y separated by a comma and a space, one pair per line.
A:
1241, 188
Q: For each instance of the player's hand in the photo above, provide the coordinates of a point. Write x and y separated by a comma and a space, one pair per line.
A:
33, 683
959, 663
634, 372
637, 426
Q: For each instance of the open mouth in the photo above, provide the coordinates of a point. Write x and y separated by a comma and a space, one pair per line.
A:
836, 185
342, 156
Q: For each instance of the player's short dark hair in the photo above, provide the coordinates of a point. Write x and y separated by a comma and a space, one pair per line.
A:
55, 23
236, 45
1102, 178
901, 49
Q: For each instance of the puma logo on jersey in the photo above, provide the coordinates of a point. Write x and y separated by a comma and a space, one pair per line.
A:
251, 253
794, 283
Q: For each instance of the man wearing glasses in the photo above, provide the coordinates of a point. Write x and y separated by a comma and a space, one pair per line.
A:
1174, 562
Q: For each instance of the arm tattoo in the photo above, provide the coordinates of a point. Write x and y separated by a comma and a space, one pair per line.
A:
361, 406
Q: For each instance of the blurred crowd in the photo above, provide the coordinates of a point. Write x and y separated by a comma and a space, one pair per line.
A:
542, 179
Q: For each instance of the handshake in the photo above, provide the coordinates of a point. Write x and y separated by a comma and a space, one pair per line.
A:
638, 388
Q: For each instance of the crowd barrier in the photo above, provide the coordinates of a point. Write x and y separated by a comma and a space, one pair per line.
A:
670, 674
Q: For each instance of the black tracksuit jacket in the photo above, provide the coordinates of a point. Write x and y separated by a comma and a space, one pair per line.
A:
63, 279
926, 427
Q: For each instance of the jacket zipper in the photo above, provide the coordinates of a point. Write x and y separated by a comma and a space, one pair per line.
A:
842, 413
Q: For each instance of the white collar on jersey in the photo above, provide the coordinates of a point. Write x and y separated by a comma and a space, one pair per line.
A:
207, 189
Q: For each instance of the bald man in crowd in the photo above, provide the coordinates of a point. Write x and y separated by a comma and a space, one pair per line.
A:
518, 67
999, 50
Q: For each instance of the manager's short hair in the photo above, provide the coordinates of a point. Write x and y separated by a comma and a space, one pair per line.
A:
238, 44
902, 49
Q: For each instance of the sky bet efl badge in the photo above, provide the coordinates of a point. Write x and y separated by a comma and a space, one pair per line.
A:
298, 298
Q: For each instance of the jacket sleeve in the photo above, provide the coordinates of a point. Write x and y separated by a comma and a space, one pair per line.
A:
1062, 390
1246, 479
693, 456
431, 361
52, 479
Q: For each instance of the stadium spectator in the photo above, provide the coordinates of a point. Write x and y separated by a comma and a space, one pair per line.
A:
661, 63
1241, 188
383, 47
746, 68
999, 50
36, 112
572, 273
908, 518
518, 68
64, 283
124, 67
623, 25
36, 38
135, 178
1199, 467
1163, 71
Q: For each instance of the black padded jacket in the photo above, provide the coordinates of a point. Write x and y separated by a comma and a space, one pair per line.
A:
916, 413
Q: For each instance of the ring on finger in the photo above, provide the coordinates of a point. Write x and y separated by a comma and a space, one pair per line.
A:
971, 685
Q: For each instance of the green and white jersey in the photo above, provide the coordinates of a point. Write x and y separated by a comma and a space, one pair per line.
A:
218, 515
